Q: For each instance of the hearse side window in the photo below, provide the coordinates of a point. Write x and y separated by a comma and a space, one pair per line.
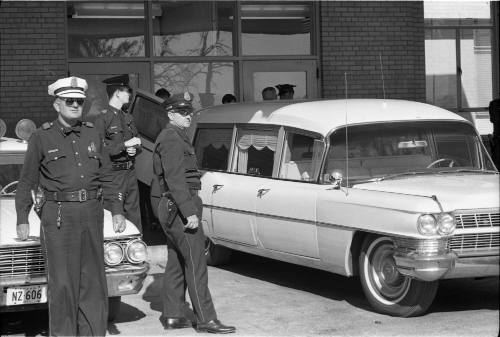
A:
149, 117
255, 151
302, 155
212, 148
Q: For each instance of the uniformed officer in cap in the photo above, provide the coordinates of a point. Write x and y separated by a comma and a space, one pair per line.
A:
64, 160
494, 111
285, 91
122, 145
179, 210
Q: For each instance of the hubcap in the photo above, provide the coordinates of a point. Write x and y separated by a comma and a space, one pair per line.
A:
385, 277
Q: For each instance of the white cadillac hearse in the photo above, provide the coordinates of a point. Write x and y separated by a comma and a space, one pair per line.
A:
23, 282
401, 193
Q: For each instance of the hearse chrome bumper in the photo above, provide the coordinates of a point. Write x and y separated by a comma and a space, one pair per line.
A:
125, 280
432, 259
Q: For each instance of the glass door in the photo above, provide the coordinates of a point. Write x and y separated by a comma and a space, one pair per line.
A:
259, 75
95, 73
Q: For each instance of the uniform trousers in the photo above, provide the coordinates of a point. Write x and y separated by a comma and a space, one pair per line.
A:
77, 288
186, 266
125, 182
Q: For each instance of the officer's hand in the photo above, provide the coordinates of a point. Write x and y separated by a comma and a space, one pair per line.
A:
134, 141
131, 151
23, 231
192, 222
119, 223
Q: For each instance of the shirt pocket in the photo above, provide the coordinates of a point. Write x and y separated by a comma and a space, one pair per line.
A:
55, 164
113, 129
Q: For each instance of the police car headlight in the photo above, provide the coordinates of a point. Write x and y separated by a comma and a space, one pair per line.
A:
426, 224
136, 251
113, 253
446, 224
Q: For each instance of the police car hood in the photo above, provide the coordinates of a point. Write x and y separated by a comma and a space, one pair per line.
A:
8, 219
454, 191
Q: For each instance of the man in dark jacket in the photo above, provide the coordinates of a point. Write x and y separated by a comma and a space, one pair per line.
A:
180, 210
494, 110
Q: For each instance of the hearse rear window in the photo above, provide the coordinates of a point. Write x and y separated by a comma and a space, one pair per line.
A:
254, 152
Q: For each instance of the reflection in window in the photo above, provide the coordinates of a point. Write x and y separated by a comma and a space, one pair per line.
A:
255, 151
150, 118
106, 29
441, 67
212, 148
276, 29
207, 82
475, 55
302, 157
194, 28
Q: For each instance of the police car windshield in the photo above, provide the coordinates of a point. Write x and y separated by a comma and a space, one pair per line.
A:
388, 149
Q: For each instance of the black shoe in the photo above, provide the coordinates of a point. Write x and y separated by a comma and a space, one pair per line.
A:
176, 323
214, 326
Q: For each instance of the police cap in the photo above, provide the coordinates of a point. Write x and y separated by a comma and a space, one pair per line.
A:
178, 103
73, 87
119, 82
284, 88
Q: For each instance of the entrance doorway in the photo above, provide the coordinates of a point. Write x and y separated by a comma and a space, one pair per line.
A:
261, 74
95, 73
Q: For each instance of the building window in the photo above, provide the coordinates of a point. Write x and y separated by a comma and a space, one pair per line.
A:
276, 29
106, 29
206, 82
458, 58
194, 28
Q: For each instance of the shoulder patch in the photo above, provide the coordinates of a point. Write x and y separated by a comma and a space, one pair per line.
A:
46, 125
88, 124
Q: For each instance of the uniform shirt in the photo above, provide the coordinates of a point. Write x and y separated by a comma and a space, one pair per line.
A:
174, 160
60, 159
117, 127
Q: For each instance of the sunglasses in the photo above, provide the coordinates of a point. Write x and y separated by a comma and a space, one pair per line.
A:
70, 101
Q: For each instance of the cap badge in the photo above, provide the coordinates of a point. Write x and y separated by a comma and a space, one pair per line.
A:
186, 96
74, 82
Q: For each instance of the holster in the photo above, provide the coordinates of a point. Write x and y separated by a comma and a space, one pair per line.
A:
167, 210
38, 199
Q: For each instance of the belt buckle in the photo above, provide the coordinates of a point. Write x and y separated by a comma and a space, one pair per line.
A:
82, 195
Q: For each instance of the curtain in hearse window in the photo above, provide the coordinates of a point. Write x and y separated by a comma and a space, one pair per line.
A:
255, 151
212, 148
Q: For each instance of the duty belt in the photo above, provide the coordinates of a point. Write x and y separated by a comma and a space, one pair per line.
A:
126, 165
80, 195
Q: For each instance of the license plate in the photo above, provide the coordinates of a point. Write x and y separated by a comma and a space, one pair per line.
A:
27, 295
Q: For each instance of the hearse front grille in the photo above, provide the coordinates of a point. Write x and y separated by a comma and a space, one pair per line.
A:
21, 261
477, 220
476, 243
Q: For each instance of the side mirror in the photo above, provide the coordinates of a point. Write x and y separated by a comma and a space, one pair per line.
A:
335, 178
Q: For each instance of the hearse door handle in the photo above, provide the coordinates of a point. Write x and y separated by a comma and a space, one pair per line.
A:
262, 191
216, 187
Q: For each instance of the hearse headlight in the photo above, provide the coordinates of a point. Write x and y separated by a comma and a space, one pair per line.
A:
427, 224
113, 253
446, 224
136, 251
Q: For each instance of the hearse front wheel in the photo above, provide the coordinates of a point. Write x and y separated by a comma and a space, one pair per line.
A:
388, 291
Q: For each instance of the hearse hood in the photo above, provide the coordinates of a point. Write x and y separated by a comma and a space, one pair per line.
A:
8, 219
454, 191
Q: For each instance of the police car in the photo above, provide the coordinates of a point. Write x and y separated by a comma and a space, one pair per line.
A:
402, 194
23, 282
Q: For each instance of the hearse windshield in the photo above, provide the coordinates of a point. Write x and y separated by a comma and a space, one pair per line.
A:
385, 150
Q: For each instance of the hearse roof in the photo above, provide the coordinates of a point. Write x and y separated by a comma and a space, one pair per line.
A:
322, 116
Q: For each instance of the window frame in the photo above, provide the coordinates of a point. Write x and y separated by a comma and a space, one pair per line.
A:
209, 126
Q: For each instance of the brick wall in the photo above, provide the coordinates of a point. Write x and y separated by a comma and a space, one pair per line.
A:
353, 34
32, 55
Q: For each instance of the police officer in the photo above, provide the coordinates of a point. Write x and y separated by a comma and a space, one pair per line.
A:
122, 145
269, 94
494, 110
64, 160
179, 211
285, 91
